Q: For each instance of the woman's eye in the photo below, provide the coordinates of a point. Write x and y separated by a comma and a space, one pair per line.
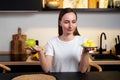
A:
74, 21
66, 22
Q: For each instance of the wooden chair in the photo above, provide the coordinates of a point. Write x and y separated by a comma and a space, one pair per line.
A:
5, 68
96, 66
92, 64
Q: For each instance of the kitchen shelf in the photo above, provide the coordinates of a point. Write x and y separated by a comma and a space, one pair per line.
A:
36, 6
89, 10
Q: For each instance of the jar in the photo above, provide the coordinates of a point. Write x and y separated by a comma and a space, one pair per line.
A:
92, 3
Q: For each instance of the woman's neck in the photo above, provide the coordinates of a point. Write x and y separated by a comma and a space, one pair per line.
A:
66, 37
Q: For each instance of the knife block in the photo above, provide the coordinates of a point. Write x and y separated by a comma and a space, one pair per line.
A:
117, 49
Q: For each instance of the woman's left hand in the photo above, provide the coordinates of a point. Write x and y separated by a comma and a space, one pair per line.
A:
87, 49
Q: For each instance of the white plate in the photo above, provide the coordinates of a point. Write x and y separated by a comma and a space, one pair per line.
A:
89, 47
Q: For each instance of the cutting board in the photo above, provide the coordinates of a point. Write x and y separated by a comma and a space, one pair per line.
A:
17, 46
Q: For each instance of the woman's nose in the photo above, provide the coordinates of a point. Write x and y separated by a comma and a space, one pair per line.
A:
70, 24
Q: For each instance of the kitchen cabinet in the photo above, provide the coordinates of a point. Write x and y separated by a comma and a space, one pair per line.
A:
20, 5
25, 68
37, 5
21, 66
107, 65
79, 5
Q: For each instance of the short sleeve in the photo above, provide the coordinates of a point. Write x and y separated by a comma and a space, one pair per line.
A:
49, 49
84, 39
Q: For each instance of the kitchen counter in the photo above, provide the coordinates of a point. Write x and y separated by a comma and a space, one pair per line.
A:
26, 65
107, 75
107, 62
100, 62
20, 63
31, 62
6, 60
103, 61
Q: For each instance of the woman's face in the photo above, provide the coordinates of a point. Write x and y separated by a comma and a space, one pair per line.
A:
68, 23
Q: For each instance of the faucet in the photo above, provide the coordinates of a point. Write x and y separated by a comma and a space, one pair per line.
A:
102, 34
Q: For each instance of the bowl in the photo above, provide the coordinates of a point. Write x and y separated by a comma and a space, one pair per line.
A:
52, 4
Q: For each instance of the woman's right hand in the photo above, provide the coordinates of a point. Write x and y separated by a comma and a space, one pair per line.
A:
37, 49
33, 50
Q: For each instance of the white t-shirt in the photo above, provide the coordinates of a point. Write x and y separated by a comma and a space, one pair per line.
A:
66, 55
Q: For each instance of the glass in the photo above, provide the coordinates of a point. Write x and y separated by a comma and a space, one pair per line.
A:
110, 4
117, 4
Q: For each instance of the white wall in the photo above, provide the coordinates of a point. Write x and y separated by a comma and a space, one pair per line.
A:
43, 26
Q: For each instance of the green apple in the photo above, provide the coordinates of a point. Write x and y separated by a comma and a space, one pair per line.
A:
30, 42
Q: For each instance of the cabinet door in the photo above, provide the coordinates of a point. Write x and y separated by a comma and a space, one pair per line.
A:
20, 5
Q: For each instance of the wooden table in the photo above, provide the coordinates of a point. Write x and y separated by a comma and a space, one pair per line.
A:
108, 75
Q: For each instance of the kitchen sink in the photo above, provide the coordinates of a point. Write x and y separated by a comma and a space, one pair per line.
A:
104, 57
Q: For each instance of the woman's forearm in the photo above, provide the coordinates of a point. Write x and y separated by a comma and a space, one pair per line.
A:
44, 62
84, 63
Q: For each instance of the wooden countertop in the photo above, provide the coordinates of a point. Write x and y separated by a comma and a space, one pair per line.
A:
21, 63
100, 62
107, 62
38, 63
31, 62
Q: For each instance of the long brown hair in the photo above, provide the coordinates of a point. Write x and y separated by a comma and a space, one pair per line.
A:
61, 14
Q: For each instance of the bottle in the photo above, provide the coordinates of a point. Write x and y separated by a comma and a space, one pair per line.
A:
92, 3
117, 4
110, 4
103, 3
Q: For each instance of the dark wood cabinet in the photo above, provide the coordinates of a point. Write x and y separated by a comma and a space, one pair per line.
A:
13, 5
108, 68
25, 68
36, 5
37, 68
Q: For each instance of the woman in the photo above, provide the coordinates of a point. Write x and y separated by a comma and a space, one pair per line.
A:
64, 53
